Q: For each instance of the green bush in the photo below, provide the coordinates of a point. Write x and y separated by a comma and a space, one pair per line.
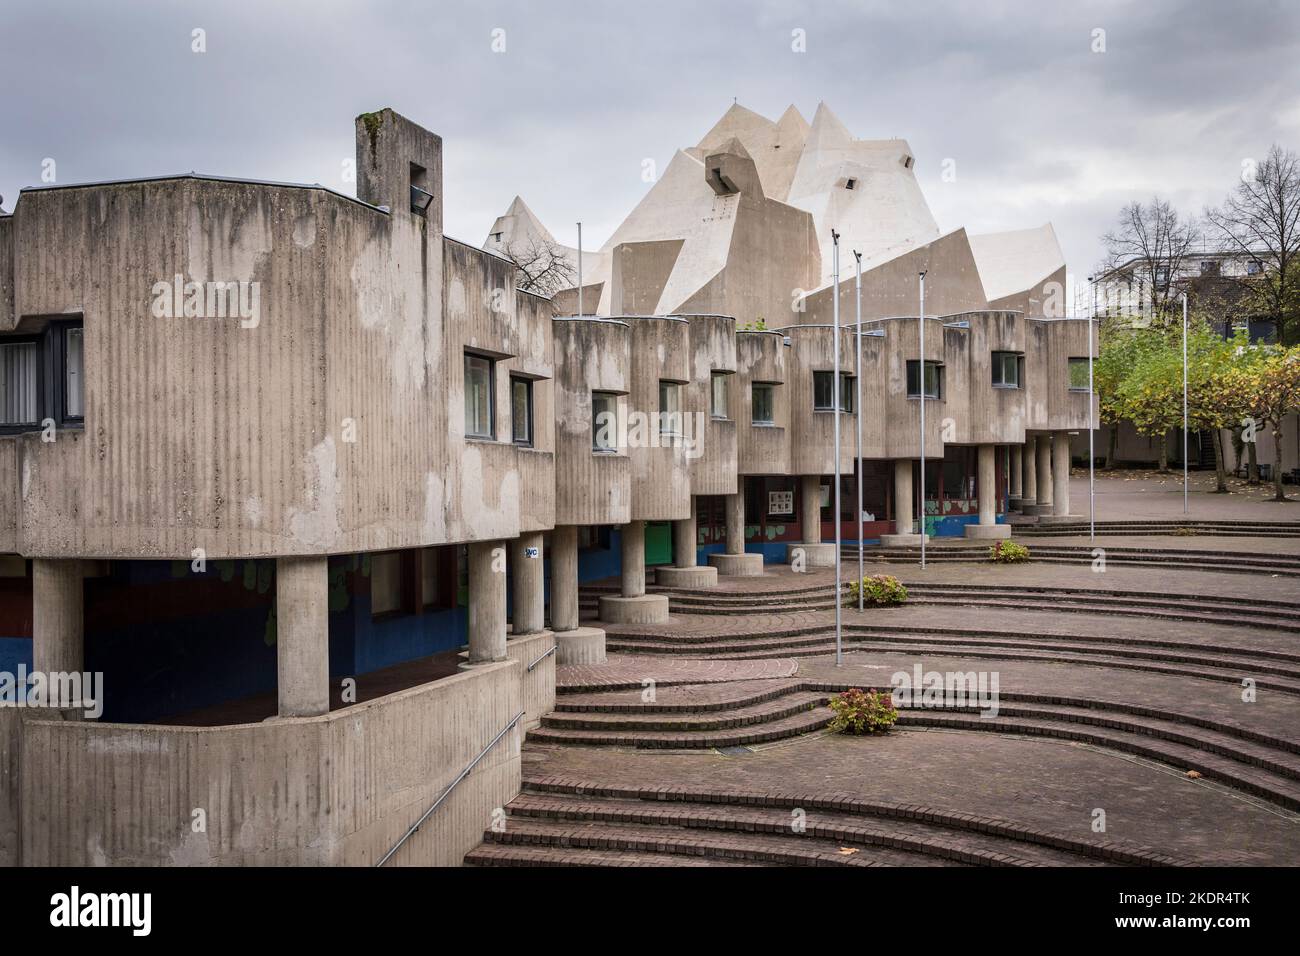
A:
877, 589
857, 712
1008, 552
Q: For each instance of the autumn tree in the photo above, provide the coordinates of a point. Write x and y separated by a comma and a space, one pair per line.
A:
1269, 388
1152, 240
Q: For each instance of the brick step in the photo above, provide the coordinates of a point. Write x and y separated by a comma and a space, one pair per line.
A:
787, 705
496, 854
852, 806
1173, 654
942, 650
679, 698
762, 848
804, 722
689, 642
1251, 567
927, 840
1183, 757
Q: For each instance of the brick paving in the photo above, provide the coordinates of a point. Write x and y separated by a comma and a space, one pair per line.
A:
630, 670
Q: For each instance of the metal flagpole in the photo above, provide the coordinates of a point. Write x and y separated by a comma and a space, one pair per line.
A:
580, 268
838, 393
921, 377
1184, 403
857, 341
1092, 422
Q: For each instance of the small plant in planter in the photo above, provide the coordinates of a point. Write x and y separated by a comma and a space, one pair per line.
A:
862, 712
1008, 552
877, 589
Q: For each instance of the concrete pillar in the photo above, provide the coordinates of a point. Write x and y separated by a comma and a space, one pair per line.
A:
810, 508
573, 644
1044, 454
735, 561
564, 578
58, 619
685, 573
736, 523
1016, 468
1061, 474
487, 602
529, 593
986, 489
633, 575
904, 500
302, 639
1029, 475
632, 605
684, 540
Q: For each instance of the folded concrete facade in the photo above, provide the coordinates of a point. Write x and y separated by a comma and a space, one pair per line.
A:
313, 485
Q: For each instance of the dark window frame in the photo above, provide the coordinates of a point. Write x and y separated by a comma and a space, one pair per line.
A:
491, 434
845, 395
1072, 362
527, 383
602, 449
915, 365
51, 375
714, 377
999, 367
770, 387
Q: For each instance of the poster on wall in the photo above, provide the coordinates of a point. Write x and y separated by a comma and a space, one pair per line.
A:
780, 502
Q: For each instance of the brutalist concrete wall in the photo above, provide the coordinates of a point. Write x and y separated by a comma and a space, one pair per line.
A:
340, 789
762, 449
713, 349
6, 273
591, 355
996, 414
812, 432
1067, 408
661, 480
902, 415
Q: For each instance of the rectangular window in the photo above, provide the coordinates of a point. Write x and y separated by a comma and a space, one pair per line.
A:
74, 393
18, 383
670, 408
718, 402
764, 403
604, 421
1006, 369
521, 411
478, 397
1078, 374
933, 379
823, 397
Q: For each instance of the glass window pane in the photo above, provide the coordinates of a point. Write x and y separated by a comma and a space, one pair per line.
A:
670, 408
847, 387
719, 404
763, 400
385, 582
823, 388
478, 396
521, 411
1079, 373
18, 384
74, 402
604, 421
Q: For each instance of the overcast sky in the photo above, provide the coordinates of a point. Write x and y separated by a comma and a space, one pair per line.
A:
1040, 126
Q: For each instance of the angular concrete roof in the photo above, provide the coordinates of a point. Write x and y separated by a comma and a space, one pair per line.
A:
1012, 262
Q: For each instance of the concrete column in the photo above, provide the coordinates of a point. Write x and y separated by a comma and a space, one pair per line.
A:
735, 561
903, 517
684, 540
1044, 453
573, 644
58, 604
1017, 466
564, 578
810, 508
1029, 475
1061, 474
986, 489
633, 579
529, 593
736, 523
302, 639
487, 602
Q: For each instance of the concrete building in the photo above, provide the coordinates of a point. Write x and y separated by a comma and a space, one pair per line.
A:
313, 485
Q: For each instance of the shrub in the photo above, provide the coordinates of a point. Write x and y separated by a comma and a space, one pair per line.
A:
878, 589
857, 712
1008, 552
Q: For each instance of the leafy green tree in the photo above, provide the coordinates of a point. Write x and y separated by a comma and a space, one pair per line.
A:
1269, 388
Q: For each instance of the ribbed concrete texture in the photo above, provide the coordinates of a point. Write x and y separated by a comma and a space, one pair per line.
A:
694, 577
738, 565
904, 520
641, 609
1061, 474
988, 531
1029, 476
986, 490
902, 540
1043, 457
536, 686
583, 645
302, 636
735, 524
58, 602
632, 574
812, 555
810, 508
487, 602
564, 578
529, 592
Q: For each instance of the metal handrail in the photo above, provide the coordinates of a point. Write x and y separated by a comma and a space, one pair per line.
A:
543, 657
450, 787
